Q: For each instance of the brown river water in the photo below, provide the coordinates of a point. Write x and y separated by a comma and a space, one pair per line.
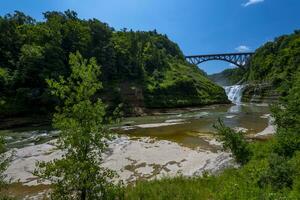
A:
185, 126
178, 125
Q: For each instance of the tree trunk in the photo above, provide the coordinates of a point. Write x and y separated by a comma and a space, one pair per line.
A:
83, 194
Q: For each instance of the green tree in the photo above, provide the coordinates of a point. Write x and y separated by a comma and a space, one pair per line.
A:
4, 162
32, 51
83, 136
279, 173
287, 118
234, 141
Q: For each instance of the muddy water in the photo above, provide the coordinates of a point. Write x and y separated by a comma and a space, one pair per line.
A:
187, 127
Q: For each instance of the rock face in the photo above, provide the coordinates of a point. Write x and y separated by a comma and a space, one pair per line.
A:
133, 98
260, 93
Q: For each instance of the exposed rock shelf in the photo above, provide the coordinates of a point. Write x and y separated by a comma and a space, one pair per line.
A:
131, 159
260, 93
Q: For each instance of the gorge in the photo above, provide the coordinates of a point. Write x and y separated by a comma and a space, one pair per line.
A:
162, 110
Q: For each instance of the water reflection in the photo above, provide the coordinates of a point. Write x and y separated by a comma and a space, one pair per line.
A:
235, 109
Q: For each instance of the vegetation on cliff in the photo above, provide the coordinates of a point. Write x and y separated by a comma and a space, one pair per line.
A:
271, 72
276, 62
228, 76
143, 64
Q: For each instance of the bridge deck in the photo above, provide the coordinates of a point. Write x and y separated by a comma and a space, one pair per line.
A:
221, 54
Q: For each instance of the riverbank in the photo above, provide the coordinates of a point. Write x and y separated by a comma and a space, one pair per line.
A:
185, 136
13, 123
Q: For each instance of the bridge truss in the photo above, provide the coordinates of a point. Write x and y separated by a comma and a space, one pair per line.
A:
238, 59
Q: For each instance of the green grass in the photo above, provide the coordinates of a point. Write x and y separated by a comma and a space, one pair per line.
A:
231, 184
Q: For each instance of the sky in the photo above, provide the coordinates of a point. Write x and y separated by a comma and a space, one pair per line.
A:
197, 26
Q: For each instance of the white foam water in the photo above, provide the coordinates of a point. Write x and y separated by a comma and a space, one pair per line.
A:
235, 93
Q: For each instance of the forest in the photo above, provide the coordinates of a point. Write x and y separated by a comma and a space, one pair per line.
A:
139, 69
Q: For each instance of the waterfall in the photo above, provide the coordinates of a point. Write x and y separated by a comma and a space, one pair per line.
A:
235, 93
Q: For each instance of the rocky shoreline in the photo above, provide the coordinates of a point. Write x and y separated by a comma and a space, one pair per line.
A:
131, 158
260, 93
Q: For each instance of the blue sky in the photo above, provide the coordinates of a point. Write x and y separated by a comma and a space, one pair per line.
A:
198, 26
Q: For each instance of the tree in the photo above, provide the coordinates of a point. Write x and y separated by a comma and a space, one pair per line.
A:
287, 118
233, 141
4, 162
32, 51
83, 136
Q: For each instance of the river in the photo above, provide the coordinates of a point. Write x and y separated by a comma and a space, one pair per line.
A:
178, 125
165, 143
184, 126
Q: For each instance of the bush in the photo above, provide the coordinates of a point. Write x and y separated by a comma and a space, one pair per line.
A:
233, 141
279, 174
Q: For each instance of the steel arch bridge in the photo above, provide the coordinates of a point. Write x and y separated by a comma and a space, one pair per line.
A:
238, 59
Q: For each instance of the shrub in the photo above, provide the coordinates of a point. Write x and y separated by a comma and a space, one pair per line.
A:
233, 141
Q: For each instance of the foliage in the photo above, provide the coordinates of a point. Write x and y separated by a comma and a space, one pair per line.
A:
4, 162
228, 76
279, 173
233, 141
173, 88
232, 184
33, 51
287, 118
83, 137
277, 62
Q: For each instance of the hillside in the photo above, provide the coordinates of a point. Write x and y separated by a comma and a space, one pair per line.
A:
271, 73
139, 69
276, 62
227, 77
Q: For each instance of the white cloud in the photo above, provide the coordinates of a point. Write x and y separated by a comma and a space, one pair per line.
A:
242, 48
252, 2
